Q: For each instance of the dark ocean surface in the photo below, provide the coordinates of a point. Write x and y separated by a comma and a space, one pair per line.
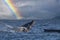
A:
36, 33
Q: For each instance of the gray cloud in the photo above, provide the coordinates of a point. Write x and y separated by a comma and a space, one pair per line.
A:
42, 9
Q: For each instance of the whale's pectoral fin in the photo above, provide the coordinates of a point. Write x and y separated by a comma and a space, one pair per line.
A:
28, 25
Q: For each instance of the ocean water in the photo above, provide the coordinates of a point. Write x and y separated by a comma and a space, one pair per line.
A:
36, 32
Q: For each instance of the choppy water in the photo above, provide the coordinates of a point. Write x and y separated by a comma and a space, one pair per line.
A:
36, 33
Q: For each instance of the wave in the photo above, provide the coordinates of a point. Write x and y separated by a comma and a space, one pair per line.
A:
5, 27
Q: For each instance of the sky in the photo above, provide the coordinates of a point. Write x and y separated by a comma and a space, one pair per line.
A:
31, 9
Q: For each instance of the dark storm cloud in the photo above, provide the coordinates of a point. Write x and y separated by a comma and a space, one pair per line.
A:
42, 9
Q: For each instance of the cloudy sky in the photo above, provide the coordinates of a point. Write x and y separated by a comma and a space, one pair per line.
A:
33, 9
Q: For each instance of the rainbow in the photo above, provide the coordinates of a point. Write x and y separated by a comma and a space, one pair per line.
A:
13, 9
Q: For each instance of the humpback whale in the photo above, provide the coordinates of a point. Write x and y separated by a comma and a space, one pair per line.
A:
23, 28
52, 30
